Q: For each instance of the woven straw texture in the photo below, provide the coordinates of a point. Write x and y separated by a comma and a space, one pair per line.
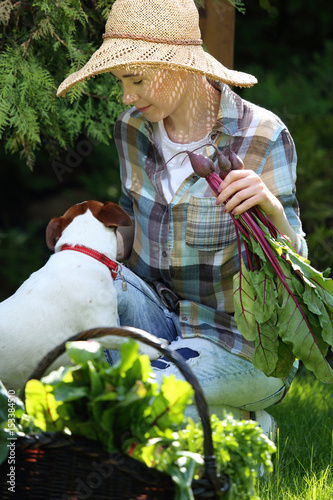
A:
154, 33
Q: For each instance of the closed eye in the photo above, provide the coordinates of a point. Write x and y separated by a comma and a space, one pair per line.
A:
137, 83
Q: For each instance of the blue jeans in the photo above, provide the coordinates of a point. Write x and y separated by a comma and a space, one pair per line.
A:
225, 378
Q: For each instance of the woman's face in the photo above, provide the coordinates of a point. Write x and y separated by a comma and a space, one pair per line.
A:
156, 93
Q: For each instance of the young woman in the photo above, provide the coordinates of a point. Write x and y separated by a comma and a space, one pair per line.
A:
181, 248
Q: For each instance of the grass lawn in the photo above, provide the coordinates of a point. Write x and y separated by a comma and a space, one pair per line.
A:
303, 464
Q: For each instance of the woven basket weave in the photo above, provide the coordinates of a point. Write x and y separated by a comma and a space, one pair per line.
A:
54, 466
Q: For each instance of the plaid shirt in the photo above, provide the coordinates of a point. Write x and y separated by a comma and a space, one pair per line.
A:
187, 249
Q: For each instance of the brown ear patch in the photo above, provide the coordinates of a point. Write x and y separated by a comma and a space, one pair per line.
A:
54, 230
57, 225
113, 216
109, 213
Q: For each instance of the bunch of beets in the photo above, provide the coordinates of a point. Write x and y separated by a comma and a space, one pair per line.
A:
281, 303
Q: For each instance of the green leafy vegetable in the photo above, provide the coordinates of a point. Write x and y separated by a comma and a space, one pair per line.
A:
286, 309
239, 447
123, 408
282, 304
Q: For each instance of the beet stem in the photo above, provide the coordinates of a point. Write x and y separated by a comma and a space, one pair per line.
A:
252, 228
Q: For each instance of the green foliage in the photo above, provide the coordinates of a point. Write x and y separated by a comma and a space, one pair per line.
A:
41, 43
123, 408
286, 307
238, 4
239, 448
304, 458
115, 405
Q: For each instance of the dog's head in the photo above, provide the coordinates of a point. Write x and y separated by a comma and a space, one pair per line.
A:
109, 213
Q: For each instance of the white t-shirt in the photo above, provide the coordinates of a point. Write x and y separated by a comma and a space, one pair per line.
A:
179, 168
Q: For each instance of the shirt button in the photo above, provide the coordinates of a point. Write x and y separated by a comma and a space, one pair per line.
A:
164, 253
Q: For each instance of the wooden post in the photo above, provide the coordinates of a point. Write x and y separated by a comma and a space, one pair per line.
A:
217, 24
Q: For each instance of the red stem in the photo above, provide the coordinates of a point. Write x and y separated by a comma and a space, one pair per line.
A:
248, 226
272, 229
259, 236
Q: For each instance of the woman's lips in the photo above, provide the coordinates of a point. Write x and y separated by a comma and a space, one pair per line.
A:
144, 109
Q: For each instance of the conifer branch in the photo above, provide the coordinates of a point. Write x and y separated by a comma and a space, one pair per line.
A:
39, 46
94, 95
59, 39
26, 44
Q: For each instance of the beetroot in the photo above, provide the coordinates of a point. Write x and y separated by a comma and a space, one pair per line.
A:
204, 167
224, 164
236, 162
201, 165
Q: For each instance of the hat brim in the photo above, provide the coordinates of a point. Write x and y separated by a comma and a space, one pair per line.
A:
117, 53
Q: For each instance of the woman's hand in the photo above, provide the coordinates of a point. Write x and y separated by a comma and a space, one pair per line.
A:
245, 190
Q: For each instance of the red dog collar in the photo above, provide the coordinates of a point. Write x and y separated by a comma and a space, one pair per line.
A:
113, 266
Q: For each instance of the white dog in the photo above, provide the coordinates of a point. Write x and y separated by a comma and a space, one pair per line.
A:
73, 292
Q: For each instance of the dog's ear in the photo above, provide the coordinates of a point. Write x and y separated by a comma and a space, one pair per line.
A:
54, 230
57, 225
113, 216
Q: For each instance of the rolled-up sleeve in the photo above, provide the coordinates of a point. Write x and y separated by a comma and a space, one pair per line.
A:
279, 174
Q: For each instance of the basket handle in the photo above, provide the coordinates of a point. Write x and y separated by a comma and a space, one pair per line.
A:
173, 356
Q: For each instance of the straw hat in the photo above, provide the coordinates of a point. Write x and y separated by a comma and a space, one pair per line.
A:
154, 33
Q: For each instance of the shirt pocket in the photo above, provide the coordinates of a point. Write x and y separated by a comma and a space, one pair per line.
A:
208, 227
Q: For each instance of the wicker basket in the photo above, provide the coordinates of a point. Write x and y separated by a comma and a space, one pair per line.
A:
54, 466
